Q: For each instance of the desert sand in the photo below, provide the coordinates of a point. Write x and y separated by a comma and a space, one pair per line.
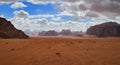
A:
60, 51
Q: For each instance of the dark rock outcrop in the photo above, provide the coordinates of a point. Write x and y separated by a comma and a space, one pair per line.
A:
66, 32
108, 29
7, 30
48, 33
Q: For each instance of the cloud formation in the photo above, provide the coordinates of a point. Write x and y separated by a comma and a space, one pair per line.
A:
35, 23
21, 14
109, 8
84, 13
7, 1
18, 5
82, 8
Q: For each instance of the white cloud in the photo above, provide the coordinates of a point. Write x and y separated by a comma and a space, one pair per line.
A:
18, 5
42, 16
91, 14
33, 24
7, 1
42, 1
56, 18
51, 1
21, 14
65, 13
80, 8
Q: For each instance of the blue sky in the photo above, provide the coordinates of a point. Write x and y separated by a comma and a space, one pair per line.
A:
76, 15
33, 9
6, 10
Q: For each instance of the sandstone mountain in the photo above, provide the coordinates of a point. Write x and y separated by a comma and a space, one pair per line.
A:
64, 32
108, 29
7, 30
48, 33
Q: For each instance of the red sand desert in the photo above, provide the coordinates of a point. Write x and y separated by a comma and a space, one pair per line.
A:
60, 51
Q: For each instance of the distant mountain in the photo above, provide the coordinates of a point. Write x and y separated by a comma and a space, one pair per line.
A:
64, 32
7, 30
78, 33
108, 29
48, 33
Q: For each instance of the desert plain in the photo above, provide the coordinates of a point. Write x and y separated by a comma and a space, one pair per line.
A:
60, 51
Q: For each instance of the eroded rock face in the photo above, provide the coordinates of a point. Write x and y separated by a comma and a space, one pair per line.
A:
109, 29
7, 30
48, 33
66, 32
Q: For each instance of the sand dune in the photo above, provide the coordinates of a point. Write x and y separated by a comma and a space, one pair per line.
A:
60, 51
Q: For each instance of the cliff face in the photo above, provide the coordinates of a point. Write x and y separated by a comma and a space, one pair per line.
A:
7, 30
48, 33
109, 29
66, 32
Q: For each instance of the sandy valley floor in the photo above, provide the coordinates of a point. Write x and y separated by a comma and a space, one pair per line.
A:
59, 51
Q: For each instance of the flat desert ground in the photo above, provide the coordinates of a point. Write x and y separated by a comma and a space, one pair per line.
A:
60, 51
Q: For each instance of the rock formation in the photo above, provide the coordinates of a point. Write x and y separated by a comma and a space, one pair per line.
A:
78, 33
7, 30
108, 29
48, 33
66, 32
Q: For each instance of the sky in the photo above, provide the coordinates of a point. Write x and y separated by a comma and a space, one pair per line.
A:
33, 16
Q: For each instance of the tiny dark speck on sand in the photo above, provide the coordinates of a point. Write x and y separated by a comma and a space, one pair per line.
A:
12, 49
58, 54
6, 43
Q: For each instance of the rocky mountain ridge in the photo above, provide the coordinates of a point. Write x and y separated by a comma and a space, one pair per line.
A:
108, 29
7, 30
